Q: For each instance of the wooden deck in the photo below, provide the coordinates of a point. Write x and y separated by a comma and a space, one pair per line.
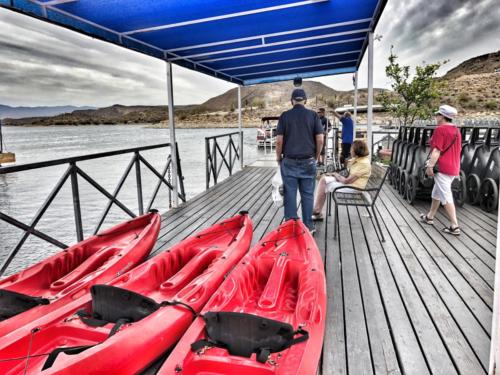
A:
419, 303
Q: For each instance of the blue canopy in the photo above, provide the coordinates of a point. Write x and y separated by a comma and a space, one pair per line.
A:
245, 42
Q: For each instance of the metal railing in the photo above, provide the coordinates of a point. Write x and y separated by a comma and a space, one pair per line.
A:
387, 140
72, 173
215, 158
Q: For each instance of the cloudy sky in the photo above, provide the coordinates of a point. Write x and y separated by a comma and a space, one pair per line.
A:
41, 64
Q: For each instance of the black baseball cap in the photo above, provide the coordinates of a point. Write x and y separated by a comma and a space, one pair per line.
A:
299, 95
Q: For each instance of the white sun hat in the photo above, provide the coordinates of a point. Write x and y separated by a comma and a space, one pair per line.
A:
447, 111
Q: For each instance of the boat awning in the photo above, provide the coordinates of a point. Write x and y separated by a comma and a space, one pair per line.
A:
245, 42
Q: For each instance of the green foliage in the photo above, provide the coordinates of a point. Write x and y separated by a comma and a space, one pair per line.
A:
259, 103
414, 97
492, 104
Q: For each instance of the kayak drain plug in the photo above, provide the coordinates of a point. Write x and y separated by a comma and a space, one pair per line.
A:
178, 368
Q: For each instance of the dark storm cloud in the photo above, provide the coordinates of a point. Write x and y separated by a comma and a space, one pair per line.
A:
438, 29
42, 64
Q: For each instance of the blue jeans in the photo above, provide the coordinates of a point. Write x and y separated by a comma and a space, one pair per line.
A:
301, 175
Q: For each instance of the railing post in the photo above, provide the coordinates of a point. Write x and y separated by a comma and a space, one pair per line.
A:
76, 202
230, 155
207, 169
138, 179
214, 160
240, 125
171, 127
241, 149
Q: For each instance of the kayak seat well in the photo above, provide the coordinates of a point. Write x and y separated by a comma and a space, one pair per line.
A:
91, 263
274, 286
194, 267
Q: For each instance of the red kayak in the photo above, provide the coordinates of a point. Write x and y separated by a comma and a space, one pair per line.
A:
124, 326
66, 276
268, 317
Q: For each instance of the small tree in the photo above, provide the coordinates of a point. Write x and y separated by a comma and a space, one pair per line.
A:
413, 97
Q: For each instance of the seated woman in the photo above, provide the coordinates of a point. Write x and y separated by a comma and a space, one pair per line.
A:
359, 168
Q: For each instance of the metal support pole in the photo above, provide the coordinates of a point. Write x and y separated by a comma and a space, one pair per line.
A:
240, 125
76, 202
369, 112
355, 99
138, 179
171, 127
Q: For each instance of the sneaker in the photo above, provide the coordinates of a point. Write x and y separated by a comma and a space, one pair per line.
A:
312, 231
454, 231
317, 217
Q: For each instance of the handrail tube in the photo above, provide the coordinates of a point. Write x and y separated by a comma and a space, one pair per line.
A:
76, 203
72, 173
158, 185
74, 159
35, 220
155, 172
103, 191
115, 194
229, 155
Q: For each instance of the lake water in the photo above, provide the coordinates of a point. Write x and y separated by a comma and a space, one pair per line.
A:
22, 194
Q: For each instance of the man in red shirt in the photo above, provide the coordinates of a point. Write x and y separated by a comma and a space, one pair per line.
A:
446, 147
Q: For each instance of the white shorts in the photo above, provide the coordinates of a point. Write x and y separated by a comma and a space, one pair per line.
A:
442, 188
332, 184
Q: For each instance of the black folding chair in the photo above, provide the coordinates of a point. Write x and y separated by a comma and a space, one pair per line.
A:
366, 197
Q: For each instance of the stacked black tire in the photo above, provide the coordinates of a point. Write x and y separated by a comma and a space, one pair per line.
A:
479, 178
481, 166
407, 167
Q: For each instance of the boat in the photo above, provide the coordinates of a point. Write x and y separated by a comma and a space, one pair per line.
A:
275, 297
123, 326
60, 279
5, 157
266, 134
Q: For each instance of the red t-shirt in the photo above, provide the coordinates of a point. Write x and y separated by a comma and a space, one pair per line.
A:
444, 136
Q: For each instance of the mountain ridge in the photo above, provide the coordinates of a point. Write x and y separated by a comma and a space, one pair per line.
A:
473, 86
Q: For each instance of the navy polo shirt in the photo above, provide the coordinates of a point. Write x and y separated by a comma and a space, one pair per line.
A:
299, 127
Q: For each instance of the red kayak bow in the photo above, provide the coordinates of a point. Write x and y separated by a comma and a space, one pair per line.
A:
267, 318
127, 324
66, 276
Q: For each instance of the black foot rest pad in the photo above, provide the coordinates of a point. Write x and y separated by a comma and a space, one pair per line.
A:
13, 303
243, 334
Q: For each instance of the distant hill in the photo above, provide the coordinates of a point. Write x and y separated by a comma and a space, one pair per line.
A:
21, 112
474, 85
277, 95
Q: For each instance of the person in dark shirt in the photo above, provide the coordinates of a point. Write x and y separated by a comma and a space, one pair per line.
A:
298, 146
347, 134
326, 128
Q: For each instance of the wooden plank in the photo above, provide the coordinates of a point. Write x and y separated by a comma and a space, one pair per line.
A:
478, 252
479, 259
359, 359
439, 246
469, 226
456, 324
410, 355
334, 347
241, 199
383, 353
430, 341
199, 199
490, 218
197, 208
189, 217
444, 260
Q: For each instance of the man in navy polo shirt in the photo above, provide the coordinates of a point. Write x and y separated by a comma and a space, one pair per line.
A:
298, 146
347, 134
